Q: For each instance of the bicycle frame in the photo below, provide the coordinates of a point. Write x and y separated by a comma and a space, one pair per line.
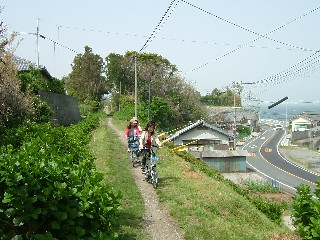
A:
151, 173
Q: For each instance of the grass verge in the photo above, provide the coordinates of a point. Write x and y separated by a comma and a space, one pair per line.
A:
112, 161
204, 207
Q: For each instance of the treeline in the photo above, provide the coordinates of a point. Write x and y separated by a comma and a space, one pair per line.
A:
163, 95
228, 97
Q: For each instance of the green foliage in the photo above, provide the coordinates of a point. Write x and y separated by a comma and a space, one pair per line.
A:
254, 186
88, 107
49, 187
306, 212
222, 98
42, 111
34, 81
272, 210
172, 99
86, 80
243, 131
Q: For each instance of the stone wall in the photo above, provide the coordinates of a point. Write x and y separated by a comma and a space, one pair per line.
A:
65, 108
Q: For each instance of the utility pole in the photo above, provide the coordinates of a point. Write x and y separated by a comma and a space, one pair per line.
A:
135, 88
38, 61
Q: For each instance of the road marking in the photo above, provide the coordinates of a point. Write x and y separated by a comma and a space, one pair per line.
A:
281, 168
268, 150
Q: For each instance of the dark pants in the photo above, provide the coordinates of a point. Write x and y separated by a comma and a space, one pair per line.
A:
145, 154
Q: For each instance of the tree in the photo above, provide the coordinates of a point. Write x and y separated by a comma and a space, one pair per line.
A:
173, 101
86, 80
16, 106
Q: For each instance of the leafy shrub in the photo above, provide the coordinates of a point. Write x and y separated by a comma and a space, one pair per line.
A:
50, 189
254, 186
88, 107
306, 212
272, 210
42, 111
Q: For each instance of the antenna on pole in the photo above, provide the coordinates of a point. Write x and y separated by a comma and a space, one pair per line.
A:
38, 42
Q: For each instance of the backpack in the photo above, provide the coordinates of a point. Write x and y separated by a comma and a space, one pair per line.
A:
132, 136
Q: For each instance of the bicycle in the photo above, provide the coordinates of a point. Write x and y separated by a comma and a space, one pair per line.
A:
134, 156
151, 173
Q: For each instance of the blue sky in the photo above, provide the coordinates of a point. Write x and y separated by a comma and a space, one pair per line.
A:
201, 42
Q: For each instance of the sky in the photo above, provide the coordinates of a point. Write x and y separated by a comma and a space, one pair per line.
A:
271, 44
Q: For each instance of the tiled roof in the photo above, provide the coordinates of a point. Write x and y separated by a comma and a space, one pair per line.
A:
23, 64
201, 123
309, 115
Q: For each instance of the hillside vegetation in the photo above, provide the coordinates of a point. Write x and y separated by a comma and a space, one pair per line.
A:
204, 206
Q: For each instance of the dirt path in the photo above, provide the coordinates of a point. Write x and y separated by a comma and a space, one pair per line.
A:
157, 221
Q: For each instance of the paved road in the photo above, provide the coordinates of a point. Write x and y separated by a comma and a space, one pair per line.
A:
266, 159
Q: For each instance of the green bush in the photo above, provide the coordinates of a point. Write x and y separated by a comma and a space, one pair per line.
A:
306, 212
50, 189
264, 187
88, 107
42, 112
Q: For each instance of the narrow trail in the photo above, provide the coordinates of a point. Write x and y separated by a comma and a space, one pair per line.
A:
157, 221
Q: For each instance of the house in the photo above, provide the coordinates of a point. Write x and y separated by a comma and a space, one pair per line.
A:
306, 121
23, 65
201, 135
305, 125
211, 145
65, 108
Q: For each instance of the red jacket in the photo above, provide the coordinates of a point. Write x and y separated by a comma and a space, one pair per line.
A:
128, 130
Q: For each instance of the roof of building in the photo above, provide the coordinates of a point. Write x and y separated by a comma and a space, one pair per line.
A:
309, 115
23, 65
220, 153
201, 123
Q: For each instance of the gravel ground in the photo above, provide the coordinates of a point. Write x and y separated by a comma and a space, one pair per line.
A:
157, 221
302, 156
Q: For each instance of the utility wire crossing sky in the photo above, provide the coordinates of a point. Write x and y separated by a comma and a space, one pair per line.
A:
273, 45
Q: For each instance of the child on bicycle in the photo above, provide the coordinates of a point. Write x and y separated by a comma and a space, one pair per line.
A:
149, 138
132, 133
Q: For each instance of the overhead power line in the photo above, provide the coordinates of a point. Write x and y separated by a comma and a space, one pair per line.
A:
254, 40
46, 38
59, 44
162, 21
251, 31
175, 39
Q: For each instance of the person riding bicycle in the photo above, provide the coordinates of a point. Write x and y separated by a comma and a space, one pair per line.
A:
132, 133
148, 138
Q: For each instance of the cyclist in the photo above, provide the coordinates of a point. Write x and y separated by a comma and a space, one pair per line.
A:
136, 119
132, 133
149, 138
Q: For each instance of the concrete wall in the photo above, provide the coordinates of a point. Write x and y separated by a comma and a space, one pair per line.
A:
227, 164
300, 135
65, 108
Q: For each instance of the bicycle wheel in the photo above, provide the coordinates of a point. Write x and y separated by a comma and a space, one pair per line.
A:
132, 158
154, 178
